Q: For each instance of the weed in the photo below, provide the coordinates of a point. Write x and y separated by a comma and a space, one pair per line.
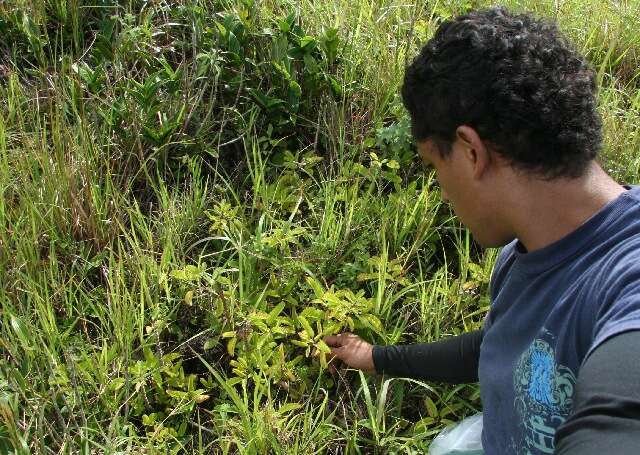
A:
193, 194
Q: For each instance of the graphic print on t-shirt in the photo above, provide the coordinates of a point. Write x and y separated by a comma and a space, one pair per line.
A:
543, 395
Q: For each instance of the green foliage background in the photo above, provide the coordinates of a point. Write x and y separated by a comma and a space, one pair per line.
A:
193, 194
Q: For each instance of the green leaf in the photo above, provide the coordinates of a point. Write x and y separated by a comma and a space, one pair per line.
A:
432, 410
188, 298
293, 96
116, 384
308, 43
336, 87
330, 43
285, 25
317, 288
189, 273
312, 313
221, 28
306, 326
231, 346
234, 44
391, 177
210, 344
422, 424
372, 321
149, 420
20, 330
322, 347
282, 70
273, 315
310, 63
285, 408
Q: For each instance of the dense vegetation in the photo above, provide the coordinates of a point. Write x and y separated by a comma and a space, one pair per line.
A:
194, 193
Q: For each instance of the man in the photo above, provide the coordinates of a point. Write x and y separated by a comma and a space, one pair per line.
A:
504, 108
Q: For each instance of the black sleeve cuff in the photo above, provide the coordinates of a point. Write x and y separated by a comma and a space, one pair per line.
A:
379, 358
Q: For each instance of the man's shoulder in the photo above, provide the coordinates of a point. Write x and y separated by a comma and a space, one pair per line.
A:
505, 258
620, 264
618, 252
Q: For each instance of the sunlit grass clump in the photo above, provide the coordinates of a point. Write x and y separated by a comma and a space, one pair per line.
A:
193, 194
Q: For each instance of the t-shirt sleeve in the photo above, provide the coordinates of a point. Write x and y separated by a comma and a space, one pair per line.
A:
620, 311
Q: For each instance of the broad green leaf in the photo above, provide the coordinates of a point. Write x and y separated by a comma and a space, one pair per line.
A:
306, 326
234, 44
116, 384
322, 347
308, 43
310, 63
189, 273
188, 298
18, 327
273, 315
317, 288
231, 346
312, 313
372, 321
432, 410
393, 164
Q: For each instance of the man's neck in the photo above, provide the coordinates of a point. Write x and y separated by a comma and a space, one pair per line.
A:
543, 212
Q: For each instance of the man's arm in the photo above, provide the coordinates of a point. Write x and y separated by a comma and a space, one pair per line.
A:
453, 360
606, 410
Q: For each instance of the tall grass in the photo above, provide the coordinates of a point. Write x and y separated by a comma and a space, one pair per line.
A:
148, 217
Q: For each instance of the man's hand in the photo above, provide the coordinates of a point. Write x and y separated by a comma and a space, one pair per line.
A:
352, 350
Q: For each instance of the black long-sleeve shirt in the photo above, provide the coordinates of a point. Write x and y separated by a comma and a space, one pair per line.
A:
453, 360
606, 410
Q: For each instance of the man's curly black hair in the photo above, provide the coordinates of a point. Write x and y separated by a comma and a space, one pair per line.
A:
514, 79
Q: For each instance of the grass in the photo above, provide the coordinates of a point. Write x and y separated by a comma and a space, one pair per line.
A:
178, 229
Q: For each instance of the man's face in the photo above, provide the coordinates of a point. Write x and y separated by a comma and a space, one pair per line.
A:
472, 198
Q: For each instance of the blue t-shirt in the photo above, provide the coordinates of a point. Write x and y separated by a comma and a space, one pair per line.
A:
550, 309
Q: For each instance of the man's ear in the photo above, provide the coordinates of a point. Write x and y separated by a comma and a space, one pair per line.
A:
474, 150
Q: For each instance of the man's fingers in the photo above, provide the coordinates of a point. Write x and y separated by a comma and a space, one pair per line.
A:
333, 360
332, 341
335, 341
337, 352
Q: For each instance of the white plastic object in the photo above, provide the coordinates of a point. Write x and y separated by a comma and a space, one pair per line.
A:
461, 438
